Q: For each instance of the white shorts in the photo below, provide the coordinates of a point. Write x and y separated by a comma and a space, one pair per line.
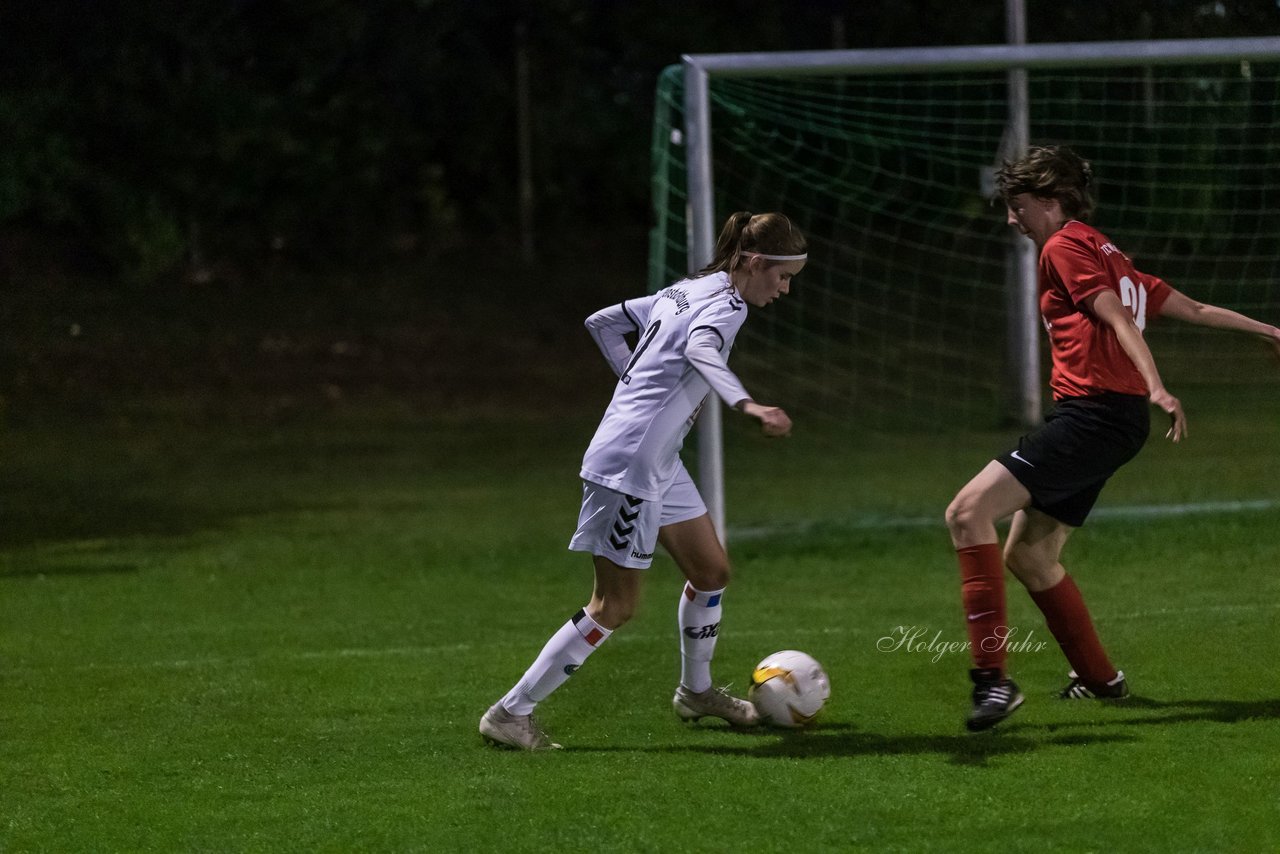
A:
625, 529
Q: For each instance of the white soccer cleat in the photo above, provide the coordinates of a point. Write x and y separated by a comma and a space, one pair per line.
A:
501, 728
714, 703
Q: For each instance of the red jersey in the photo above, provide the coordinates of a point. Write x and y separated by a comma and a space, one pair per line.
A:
1077, 262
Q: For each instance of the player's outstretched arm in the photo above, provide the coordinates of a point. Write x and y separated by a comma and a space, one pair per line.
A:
1179, 306
1106, 306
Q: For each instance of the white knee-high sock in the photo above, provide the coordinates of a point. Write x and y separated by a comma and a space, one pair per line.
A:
699, 620
561, 656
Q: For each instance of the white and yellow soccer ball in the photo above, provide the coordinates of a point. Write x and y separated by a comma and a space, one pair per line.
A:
789, 689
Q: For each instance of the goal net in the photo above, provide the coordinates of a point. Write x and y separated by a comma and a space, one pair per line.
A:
900, 319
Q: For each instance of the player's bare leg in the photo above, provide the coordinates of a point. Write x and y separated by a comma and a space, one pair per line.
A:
993, 494
616, 593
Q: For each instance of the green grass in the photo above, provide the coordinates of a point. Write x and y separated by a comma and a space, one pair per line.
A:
241, 635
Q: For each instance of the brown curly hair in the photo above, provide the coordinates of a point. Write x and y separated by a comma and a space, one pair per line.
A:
1050, 172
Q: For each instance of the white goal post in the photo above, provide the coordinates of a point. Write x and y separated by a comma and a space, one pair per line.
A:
699, 71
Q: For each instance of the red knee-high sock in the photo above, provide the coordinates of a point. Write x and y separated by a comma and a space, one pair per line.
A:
982, 591
1069, 621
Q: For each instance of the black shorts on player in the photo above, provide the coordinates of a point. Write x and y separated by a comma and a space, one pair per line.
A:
1084, 440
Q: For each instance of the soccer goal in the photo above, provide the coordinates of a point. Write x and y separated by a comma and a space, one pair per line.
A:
916, 310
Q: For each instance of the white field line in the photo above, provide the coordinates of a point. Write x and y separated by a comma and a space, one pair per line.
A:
1136, 511
1130, 511
1200, 609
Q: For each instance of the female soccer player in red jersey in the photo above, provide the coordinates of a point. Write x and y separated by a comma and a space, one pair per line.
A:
637, 493
1095, 306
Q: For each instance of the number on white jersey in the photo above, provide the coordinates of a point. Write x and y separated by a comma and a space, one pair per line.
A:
645, 340
1135, 299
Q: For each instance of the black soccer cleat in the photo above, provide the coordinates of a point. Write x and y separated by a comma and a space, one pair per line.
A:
1116, 689
995, 697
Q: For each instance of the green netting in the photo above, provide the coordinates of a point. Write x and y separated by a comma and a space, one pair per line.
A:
900, 316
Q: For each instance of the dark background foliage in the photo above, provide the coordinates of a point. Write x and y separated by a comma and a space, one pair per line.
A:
249, 206
150, 136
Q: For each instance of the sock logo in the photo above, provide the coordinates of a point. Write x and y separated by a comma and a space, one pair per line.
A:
702, 632
570, 669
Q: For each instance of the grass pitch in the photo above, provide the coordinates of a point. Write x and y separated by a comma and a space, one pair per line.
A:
257, 637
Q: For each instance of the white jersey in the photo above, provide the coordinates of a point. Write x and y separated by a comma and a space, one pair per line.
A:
685, 334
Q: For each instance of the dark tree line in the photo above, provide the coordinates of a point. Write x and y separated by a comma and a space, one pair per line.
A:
153, 135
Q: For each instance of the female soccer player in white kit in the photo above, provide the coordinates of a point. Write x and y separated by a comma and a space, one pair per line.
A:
636, 491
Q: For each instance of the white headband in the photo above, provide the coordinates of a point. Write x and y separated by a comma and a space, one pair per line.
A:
803, 257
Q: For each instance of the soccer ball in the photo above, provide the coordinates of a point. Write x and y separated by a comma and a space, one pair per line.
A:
789, 688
